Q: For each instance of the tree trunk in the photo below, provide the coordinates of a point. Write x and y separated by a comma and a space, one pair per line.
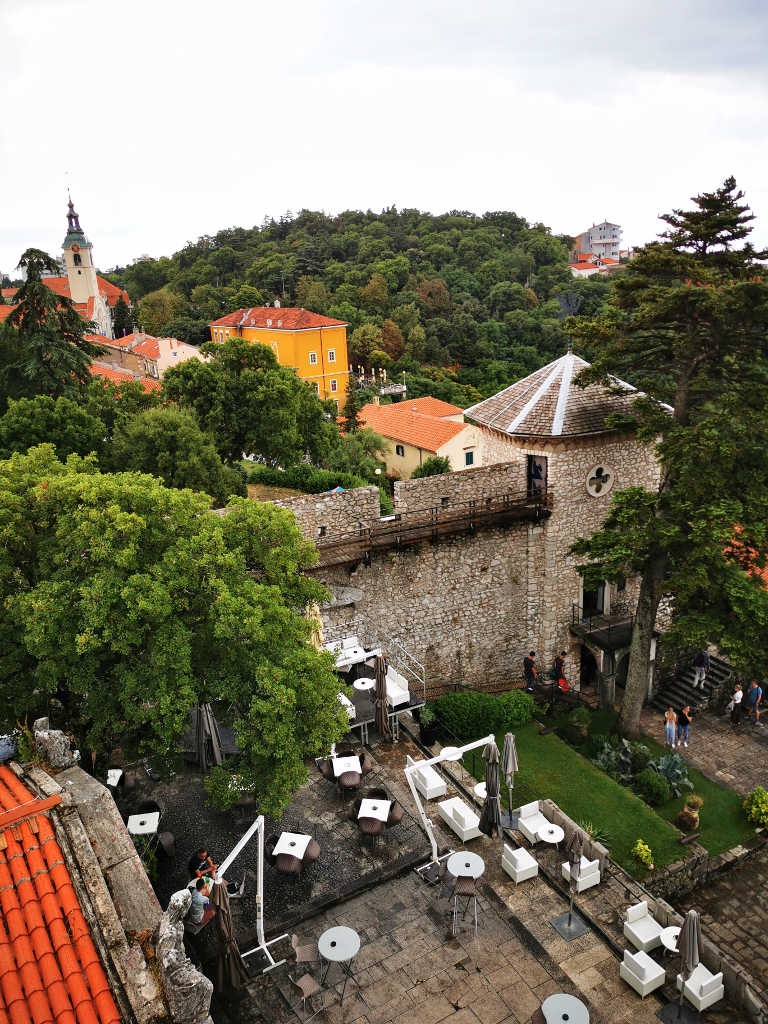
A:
640, 649
607, 691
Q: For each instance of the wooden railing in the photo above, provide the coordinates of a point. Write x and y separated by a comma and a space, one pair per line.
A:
430, 524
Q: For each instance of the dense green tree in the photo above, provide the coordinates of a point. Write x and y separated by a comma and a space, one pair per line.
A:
115, 404
168, 443
60, 422
689, 326
251, 405
435, 465
52, 354
123, 319
132, 602
359, 453
157, 308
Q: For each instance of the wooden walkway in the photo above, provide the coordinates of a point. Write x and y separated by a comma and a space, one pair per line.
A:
430, 525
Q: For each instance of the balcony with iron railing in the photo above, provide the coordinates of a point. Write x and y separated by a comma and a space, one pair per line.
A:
609, 631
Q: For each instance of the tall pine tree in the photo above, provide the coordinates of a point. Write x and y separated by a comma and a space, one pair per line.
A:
53, 355
689, 326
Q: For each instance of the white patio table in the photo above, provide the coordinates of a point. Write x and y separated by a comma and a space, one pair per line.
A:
339, 945
294, 843
378, 809
466, 865
346, 764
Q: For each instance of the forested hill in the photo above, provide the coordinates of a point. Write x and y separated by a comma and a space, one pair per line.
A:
463, 303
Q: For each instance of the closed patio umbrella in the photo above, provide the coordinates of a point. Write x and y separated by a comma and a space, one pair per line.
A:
575, 852
382, 718
207, 738
509, 767
688, 945
490, 817
231, 972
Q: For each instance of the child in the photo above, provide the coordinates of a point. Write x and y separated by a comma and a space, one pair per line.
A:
670, 721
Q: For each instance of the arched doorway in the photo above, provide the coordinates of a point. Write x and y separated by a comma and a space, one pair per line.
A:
587, 668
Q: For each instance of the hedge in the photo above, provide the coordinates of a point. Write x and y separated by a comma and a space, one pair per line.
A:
471, 714
305, 478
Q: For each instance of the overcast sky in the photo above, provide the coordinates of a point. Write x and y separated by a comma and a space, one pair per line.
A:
172, 119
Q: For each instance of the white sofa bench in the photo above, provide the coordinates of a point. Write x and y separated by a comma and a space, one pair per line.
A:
703, 988
641, 928
518, 864
532, 821
589, 874
460, 817
349, 707
641, 972
428, 782
397, 688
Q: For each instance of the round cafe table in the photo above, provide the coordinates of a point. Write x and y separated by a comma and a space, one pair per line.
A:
480, 790
339, 945
669, 937
551, 834
466, 865
564, 1009
363, 684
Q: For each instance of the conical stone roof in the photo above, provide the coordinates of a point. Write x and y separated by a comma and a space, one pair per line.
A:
547, 403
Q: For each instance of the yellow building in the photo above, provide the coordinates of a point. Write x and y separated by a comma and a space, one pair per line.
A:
315, 346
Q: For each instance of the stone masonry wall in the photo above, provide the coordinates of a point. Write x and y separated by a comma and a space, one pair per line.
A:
343, 512
459, 606
470, 607
454, 488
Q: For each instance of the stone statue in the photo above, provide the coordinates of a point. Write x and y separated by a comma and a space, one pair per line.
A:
187, 990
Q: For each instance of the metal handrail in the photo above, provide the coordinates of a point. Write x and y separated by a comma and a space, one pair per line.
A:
600, 620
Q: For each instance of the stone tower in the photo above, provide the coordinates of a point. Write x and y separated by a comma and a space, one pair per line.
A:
78, 260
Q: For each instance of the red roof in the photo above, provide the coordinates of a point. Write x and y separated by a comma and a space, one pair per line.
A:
414, 428
50, 972
120, 377
276, 319
428, 406
5, 312
60, 285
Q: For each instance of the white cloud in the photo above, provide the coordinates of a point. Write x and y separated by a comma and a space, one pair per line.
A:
177, 119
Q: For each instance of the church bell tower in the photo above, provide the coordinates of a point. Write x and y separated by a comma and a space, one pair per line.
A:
78, 260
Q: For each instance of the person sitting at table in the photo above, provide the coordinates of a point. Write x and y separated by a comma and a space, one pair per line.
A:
201, 866
200, 910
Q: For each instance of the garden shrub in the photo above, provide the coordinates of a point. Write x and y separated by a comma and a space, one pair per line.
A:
675, 771
694, 800
653, 787
600, 835
642, 852
756, 806
639, 755
687, 820
580, 716
471, 714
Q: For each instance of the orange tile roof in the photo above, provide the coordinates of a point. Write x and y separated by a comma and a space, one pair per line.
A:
279, 319
120, 377
50, 972
428, 406
414, 428
5, 312
109, 291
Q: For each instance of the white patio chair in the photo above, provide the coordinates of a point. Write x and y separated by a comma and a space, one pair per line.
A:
519, 864
641, 928
703, 988
641, 972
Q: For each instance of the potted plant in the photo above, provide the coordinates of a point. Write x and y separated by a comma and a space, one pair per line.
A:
427, 726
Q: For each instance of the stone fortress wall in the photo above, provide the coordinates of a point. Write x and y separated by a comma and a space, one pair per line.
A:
469, 607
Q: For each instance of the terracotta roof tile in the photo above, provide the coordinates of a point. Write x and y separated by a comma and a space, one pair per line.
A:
547, 403
414, 428
276, 319
116, 376
44, 977
428, 405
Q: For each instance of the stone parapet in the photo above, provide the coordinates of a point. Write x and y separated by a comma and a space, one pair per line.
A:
343, 512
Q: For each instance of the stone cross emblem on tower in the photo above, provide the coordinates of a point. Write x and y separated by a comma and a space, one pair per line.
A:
598, 480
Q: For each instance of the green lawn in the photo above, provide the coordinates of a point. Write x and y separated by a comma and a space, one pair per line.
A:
722, 820
556, 771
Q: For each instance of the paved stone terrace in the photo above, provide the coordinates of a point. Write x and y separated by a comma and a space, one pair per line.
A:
734, 911
736, 757
411, 970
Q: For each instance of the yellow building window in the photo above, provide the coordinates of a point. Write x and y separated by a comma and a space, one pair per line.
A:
334, 386
331, 355
313, 358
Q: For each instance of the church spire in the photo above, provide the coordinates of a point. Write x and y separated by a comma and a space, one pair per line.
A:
73, 220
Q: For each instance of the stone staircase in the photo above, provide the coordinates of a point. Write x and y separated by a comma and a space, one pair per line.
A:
680, 691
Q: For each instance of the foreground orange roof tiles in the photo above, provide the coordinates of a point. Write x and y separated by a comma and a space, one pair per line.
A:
50, 972
414, 428
276, 319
